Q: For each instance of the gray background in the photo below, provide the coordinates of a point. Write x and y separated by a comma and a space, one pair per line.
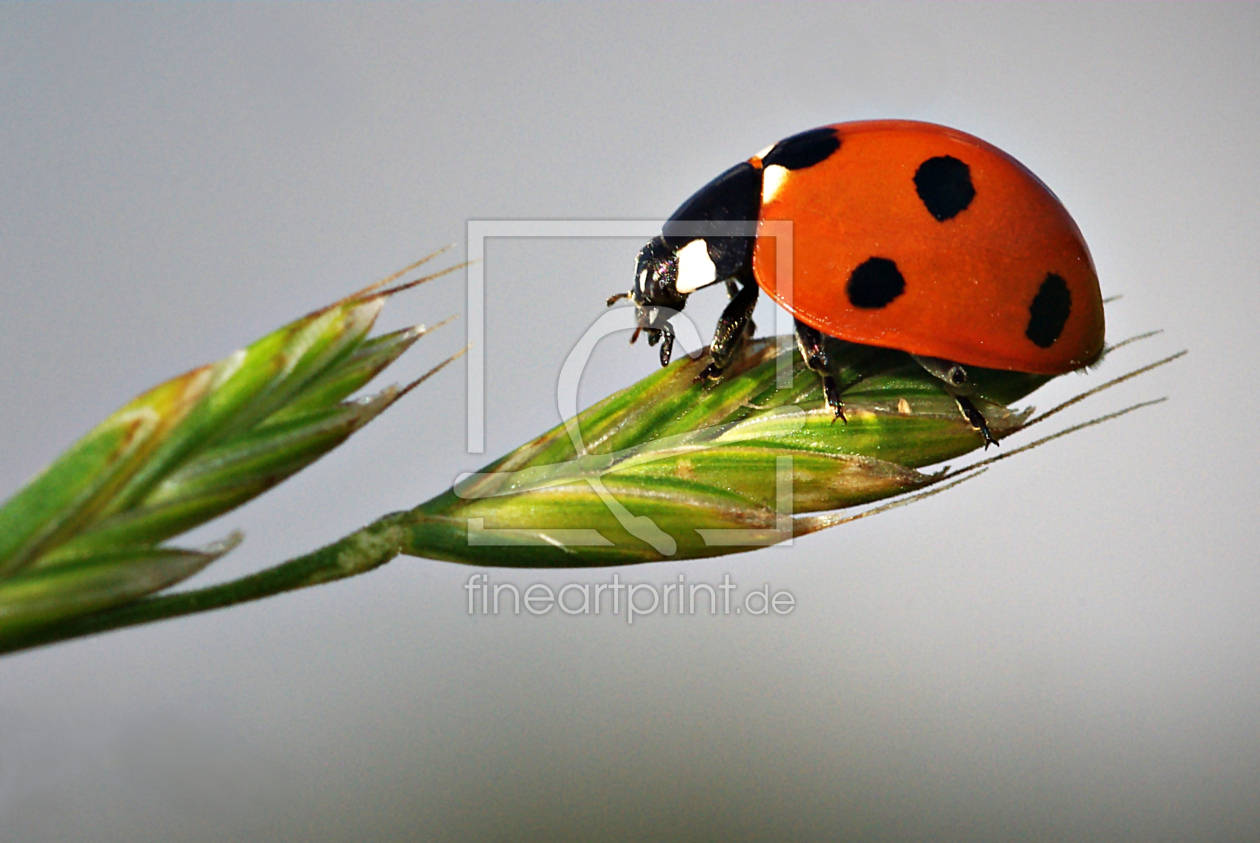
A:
1066, 649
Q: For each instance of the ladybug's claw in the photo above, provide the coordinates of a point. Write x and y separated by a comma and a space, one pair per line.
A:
709, 374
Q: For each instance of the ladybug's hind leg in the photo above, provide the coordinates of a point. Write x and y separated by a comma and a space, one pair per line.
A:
976, 419
959, 385
733, 328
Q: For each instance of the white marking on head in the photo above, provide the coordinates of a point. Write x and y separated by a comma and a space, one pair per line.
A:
772, 181
763, 153
695, 267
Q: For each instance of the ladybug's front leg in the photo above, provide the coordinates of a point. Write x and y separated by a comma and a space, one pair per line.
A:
666, 336
732, 329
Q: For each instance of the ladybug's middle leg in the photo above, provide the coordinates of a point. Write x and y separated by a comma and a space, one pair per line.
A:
733, 328
813, 347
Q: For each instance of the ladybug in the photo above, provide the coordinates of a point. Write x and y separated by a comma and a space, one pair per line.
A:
904, 235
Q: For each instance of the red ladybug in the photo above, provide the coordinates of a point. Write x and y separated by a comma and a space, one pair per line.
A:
905, 235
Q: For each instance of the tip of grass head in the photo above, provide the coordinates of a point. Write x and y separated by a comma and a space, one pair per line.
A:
207, 441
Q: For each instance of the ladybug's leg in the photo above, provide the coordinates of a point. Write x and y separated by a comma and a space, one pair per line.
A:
732, 329
665, 336
813, 346
976, 419
958, 384
667, 346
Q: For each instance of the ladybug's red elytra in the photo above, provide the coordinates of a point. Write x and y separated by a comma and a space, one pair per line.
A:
905, 235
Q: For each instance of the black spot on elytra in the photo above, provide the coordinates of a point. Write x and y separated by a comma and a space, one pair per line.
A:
874, 284
944, 185
803, 150
1049, 311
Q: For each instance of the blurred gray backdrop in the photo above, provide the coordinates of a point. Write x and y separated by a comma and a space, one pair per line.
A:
1065, 649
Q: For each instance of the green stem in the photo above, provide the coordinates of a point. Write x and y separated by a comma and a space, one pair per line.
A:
357, 553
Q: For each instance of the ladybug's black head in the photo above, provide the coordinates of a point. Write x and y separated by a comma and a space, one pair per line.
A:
656, 284
655, 294
655, 291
